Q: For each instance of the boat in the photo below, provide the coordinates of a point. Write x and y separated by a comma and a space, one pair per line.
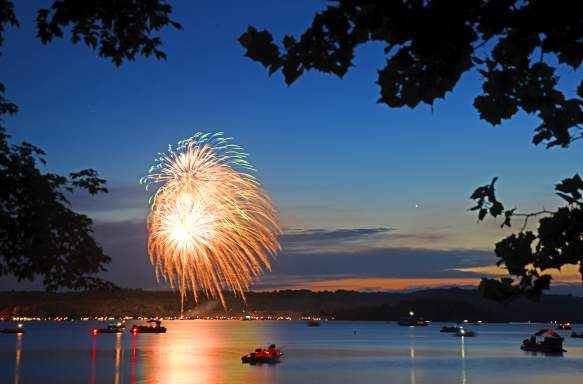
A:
412, 321
313, 323
271, 355
451, 329
111, 328
544, 341
462, 332
577, 335
419, 322
564, 326
18, 330
154, 326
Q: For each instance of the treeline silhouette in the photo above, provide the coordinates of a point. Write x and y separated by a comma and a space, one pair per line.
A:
450, 305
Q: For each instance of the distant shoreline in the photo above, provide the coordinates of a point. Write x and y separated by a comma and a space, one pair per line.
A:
438, 305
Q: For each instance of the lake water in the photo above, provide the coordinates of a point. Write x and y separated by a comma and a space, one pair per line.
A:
209, 352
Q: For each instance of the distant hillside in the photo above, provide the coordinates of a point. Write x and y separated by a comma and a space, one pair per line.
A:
451, 304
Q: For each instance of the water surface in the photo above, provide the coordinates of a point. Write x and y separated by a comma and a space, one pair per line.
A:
209, 352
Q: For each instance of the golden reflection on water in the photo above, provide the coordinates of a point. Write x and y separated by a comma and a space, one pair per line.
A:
170, 358
412, 352
17, 358
463, 355
117, 356
195, 355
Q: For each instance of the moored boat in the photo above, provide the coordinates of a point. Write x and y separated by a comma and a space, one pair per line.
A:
271, 355
412, 321
544, 341
18, 330
577, 335
462, 332
450, 329
111, 328
564, 327
313, 323
154, 326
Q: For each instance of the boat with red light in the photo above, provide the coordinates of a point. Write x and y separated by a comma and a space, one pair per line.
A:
545, 341
111, 328
153, 326
271, 355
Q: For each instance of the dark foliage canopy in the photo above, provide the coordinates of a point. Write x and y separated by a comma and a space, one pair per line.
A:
117, 29
515, 46
518, 48
40, 235
528, 255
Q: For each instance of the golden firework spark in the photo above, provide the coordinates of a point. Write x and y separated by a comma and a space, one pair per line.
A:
211, 226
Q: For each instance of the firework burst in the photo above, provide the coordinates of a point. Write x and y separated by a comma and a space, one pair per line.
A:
211, 226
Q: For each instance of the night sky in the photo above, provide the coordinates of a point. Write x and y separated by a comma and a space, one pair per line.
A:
371, 198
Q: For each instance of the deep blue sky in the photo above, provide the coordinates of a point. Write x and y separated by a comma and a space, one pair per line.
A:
328, 154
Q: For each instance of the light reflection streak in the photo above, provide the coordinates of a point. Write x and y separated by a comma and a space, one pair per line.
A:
202, 351
174, 359
463, 355
412, 353
133, 375
117, 356
18, 353
93, 358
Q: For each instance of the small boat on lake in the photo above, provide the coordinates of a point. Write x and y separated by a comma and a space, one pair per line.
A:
111, 328
451, 329
564, 327
412, 321
544, 341
271, 355
154, 326
313, 323
577, 335
462, 332
18, 330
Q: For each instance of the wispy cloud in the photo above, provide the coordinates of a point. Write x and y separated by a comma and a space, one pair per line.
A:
318, 240
121, 203
351, 258
343, 240
383, 262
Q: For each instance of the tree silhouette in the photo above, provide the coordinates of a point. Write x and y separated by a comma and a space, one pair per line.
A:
40, 235
516, 46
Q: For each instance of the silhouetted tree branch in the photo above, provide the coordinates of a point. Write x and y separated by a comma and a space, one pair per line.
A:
117, 29
40, 235
516, 46
526, 255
